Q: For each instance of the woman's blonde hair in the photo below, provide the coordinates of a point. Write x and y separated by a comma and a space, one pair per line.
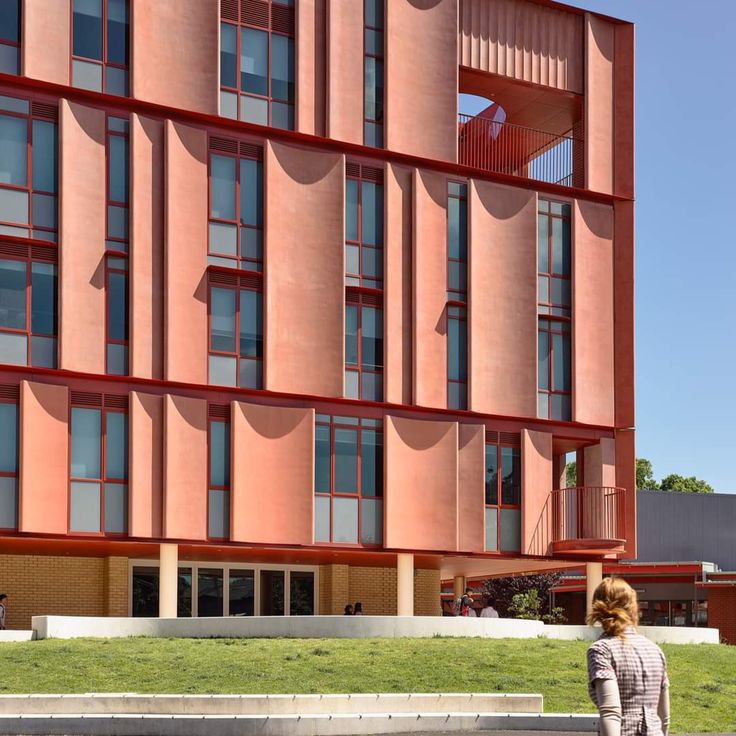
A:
615, 606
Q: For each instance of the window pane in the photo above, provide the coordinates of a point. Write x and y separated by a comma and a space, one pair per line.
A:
251, 192
561, 291
543, 405
43, 352
543, 244
322, 506
457, 276
373, 134
44, 210
228, 55
251, 319
242, 593
282, 67
116, 448
371, 521
457, 396
561, 247
352, 384
251, 370
116, 508
253, 110
561, 348
13, 349
301, 588
251, 246
560, 407
223, 371
209, 598
118, 169
322, 458
13, 294
352, 260
45, 156
87, 19
117, 359
222, 320
510, 530
491, 474
372, 213
10, 20
372, 387
13, 164
9, 433
224, 239
117, 32
345, 520
9, 59
84, 512
282, 115
254, 61
374, 42
372, 338
374, 13
373, 89
492, 530
8, 503
351, 335
457, 234
511, 476
272, 593
117, 306
117, 222
229, 105
351, 210
14, 208
87, 75
222, 187
116, 81
346, 461
457, 350
542, 360
218, 523
219, 453
85, 443
371, 463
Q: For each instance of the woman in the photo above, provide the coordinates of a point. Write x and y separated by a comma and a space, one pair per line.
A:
627, 673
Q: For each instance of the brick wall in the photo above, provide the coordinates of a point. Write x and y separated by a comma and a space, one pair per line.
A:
722, 612
80, 586
375, 588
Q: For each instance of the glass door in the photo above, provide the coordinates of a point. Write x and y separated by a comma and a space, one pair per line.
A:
272, 592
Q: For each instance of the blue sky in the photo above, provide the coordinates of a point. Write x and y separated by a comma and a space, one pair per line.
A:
685, 234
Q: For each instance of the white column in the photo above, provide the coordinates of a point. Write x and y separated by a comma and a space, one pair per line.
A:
167, 581
593, 576
405, 584
458, 587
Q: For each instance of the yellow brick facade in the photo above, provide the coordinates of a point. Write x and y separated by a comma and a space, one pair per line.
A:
79, 586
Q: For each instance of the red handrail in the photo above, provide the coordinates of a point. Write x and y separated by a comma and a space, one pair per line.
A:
588, 512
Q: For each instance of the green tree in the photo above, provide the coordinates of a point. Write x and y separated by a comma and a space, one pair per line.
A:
679, 484
571, 475
644, 475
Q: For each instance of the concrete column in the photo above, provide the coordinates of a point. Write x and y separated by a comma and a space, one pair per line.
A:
593, 575
404, 584
167, 581
458, 587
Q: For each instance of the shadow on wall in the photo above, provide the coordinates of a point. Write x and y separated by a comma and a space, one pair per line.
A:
421, 436
597, 218
274, 425
507, 206
305, 167
425, 4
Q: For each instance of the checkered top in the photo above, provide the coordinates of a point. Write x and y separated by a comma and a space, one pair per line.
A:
640, 668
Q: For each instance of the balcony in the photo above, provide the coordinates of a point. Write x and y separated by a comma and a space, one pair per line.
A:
588, 520
507, 148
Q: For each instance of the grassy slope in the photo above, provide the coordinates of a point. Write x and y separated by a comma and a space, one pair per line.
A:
703, 677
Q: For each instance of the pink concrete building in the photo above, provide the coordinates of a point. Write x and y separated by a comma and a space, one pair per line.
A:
304, 302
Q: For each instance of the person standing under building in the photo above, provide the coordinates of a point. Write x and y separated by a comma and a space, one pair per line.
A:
465, 605
348, 610
488, 610
627, 673
358, 609
3, 598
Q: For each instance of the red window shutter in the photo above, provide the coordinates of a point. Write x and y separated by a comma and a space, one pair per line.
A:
352, 297
254, 13
44, 110
223, 144
282, 19
372, 300
251, 282
251, 150
42, 253
352, 169
14, 249
9, 391
229, 10
219, 411
86, 398
116, 401
511, 438
491, 437
371, 173
225, 279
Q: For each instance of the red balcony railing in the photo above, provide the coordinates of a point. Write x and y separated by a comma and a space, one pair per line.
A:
506, 148
588, 518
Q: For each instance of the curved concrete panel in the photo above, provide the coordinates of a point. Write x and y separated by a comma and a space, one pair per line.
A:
185, 468
536, 487
305, 271
593, 315
43, 497
174, 53
421, 484
471, 488
45, 50
82, 172
503, 300
272, 474
421, 78
185, 259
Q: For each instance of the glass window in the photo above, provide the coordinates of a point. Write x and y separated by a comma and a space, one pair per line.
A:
86, 439
117, 325
346, 461
218, 524
118, 169
511, 480
242, 593
373, 73
43, 299
87, 28
222, 191
219, 453
282, 67
222, 329
371, 465
210, 600
10, 21
254, 61
301, 593
510, 530
491, 475
84, 511
457, 358
117, 32
13, 294
9, 433
13, 150
116, 449
345, 520
322, 459
272, 593
228, 55
144, 592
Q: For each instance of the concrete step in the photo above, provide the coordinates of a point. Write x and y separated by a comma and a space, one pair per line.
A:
293, 725
16, 635
262, 705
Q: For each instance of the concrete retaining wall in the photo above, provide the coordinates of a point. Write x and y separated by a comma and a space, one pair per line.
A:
11, 635
341, 627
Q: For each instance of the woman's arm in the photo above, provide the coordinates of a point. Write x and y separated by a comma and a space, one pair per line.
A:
663, 709
609, 707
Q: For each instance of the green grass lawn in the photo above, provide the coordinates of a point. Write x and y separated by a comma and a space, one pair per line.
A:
703, 676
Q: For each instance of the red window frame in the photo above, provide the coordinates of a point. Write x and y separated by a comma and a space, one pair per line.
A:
378, 124
107, 404
29, 254
457, 312
273, 17
16, 44
104, 63
223, 279
117, 264
236, 150
359, 425
114, 244
457, 299
502, 441
554, 317
361, 173
48, 113
220, 414
361, 298
10, 394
